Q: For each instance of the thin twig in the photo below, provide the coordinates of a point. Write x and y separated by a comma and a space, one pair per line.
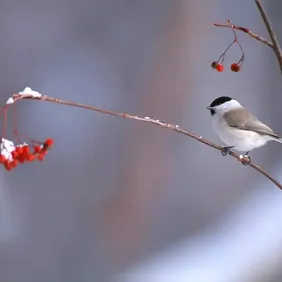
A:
247, 31
273, 43
176, 128
276, 48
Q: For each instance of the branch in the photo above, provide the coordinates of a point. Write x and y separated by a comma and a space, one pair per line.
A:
247, 31
276, 48
176, 128
273, 43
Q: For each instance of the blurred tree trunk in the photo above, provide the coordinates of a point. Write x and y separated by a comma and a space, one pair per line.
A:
147, 167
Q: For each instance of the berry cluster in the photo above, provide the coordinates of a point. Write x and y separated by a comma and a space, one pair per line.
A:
235, 67
12, 155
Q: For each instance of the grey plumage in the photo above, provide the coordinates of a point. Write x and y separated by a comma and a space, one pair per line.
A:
244, 120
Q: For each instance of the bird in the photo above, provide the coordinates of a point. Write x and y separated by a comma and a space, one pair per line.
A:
237, 127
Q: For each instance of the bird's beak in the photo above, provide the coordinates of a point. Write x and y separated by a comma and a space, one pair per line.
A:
209, 108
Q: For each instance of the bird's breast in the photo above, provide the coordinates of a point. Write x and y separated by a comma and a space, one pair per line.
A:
242, 140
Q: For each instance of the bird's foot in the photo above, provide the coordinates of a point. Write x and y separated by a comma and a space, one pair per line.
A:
245, 159
225, 150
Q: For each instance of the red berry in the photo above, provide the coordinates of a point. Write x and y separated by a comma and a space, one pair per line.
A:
30, 157
49, 142
41, 157
235, 67
214, 65
21, 158
2, 159
8, 165
14, 163
220, 67
26, 149
14, 154
19, 150
37, 149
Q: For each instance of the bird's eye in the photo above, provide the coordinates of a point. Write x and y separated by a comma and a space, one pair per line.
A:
212, 112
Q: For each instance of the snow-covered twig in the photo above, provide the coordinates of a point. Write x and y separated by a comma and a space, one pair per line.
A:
170, 126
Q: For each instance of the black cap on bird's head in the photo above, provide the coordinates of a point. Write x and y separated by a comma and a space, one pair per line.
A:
217, 102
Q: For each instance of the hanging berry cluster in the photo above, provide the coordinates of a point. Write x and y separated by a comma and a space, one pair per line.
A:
12, 155
235, 67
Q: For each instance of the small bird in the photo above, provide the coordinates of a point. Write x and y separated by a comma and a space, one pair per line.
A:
237, 127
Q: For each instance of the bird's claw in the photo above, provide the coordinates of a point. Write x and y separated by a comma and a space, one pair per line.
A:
225, 151
245, 159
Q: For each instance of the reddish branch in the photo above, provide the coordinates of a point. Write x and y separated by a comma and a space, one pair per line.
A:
273, 43
176, 128
276, 48
247, 31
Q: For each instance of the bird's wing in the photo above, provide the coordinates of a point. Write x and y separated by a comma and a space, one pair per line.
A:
244, 120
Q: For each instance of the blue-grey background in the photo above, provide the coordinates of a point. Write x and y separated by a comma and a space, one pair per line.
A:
118, 200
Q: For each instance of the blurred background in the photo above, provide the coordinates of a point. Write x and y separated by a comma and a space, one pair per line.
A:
118, 200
